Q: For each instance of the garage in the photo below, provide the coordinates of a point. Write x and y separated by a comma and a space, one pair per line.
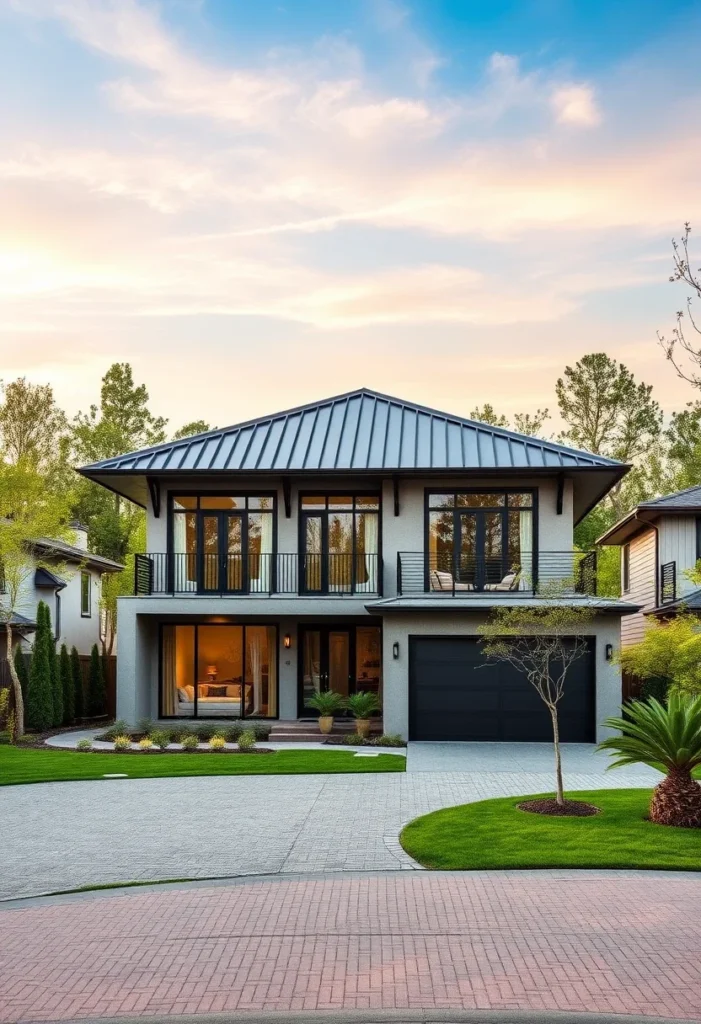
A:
455, 694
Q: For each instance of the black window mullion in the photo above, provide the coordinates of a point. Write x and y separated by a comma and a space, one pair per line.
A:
194, 673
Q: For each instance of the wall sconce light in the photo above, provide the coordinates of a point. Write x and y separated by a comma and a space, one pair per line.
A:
287, 640
609, 652
395, 650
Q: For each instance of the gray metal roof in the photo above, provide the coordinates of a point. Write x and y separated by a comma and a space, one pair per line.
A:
362, 430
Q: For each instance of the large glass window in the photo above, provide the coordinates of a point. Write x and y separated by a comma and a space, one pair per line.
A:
219, 671
222, 543
340, 543
480, 540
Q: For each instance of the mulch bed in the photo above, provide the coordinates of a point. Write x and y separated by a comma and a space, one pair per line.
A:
570, 808
338, 741
155, 750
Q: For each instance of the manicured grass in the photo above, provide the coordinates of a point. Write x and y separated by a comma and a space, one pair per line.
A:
495, 834
20, 765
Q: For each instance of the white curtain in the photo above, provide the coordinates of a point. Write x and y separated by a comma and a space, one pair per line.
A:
255, 665
525, 539
371, 537
183, 578
266, 550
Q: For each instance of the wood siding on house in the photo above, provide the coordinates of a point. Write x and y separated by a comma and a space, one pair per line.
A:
643, 571
678, 544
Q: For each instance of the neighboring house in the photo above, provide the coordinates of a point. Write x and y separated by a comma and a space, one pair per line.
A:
660, 542
67, 578
356, 544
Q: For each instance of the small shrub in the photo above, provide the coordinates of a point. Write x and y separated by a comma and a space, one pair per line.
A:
205, 732
217, 743
146, 743
146, 726
328, 702
160, 738
261, 730
657, 687
247, 740
388, 740
120, 728
188, 741
232, 732
122, 743
84, 744
362, 704
353, 739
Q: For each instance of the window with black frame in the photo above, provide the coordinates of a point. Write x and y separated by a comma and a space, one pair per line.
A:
222, 544
480, 540
340, 543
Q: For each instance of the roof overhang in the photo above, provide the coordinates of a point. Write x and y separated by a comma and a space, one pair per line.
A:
448, 603
590, 483
641, 517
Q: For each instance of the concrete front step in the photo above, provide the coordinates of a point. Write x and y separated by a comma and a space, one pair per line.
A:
308, 731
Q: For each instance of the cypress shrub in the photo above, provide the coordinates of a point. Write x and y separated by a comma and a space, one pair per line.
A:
40, 712
96, 685
66, 676
22, 671
78, 689
56, 684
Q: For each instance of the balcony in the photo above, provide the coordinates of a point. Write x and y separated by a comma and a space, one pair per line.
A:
570, 572
257, 575
668, 583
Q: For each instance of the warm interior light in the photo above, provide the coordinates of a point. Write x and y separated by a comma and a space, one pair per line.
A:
212, 671
287, 640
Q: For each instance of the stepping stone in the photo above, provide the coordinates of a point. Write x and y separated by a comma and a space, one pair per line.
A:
115, 776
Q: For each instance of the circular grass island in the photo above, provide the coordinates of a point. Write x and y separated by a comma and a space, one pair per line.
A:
494, 834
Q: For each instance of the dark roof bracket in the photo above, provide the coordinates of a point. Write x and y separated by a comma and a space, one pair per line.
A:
287, 496
560, 493
155, 492
395, 485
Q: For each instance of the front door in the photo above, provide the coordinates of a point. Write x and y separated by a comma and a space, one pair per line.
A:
480, 555
344, 659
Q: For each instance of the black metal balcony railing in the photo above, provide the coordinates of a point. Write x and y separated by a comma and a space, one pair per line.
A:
668, 582
461, 574
264, 574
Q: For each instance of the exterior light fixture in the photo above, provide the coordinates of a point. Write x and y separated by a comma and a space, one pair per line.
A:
609, 652
395, 650
287, 640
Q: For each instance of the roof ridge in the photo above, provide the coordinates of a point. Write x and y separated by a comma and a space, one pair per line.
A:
669, 497
463, 421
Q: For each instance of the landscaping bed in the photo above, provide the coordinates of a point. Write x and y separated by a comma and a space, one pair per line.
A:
496, 834
27, 765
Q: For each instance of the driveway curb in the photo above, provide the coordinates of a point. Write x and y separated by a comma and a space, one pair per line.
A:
396, 1016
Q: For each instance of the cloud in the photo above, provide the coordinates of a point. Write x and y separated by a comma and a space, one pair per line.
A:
576, 104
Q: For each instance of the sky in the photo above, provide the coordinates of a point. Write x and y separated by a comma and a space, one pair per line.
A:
263, 204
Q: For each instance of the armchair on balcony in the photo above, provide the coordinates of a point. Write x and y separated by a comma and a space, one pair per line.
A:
441, 580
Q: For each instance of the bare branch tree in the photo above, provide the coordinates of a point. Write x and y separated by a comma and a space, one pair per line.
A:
683, 345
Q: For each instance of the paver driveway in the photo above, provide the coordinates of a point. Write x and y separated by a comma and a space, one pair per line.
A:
611, 942
68, 834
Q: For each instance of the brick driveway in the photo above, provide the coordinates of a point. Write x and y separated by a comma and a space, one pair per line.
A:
607, 942
63, 835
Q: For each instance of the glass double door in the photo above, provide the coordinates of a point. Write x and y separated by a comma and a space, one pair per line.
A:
345, 659
222, 547
480, 554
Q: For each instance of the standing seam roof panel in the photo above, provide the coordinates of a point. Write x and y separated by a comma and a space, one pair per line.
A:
361, 444
267, 452
316, 443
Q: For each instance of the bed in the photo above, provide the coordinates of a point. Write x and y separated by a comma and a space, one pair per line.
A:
222, 698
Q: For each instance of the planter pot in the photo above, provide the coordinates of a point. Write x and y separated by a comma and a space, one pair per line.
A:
325, 723
362, 727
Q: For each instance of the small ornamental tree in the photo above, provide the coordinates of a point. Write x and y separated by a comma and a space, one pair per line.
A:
542, 642
66, 676
22, 670
96, 685
78, 688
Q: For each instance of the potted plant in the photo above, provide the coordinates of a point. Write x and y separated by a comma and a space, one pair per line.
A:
361, 705
327, 704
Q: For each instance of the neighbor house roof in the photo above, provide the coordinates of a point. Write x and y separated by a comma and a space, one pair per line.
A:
69, 553
20, 622
690, 602
359, 432
681, 503
45, 578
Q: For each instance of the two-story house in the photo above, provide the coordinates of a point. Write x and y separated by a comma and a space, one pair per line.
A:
68, 578
356, 544
660, 543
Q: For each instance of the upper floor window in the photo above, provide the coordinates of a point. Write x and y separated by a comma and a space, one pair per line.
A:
625, 568
223, 543
480, 539
340, 541
85, 609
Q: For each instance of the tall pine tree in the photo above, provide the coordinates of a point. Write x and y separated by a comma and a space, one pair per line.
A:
78, 688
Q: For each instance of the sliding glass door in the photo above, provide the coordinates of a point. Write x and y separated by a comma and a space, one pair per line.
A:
218, 671
340, 543
342, 658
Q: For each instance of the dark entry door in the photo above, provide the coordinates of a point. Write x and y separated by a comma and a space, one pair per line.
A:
343, 658
456, 694
222, 547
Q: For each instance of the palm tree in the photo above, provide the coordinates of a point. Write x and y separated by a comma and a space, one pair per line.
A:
666, 736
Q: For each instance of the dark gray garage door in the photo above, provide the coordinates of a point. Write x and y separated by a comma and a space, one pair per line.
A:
455, 694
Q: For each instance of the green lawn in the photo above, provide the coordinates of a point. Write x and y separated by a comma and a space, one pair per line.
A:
20, 765
495, 834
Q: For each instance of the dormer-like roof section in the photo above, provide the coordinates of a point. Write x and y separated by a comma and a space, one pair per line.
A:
686, 502
359, 432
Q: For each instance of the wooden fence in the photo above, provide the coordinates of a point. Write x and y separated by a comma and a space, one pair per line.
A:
109, 668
